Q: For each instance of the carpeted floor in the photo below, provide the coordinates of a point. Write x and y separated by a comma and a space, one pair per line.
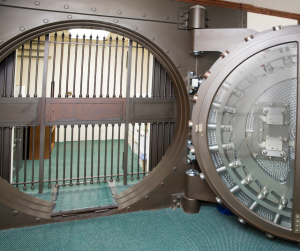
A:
82, 196
164, 229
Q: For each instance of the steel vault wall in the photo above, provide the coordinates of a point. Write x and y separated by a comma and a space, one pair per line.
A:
156, 21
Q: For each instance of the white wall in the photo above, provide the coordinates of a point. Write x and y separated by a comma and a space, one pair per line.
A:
261, 22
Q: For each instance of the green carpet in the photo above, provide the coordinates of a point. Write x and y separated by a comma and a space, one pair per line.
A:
164, 229
82, 196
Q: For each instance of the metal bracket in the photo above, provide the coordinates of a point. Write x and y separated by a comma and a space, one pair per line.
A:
297, 224
183, 19
176, 200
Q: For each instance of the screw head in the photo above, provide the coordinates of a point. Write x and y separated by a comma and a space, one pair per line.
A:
119, 12
46, 21
153, 38
15, 213
143, 14
37, 220
93, 9
69, 16
135, 28
162, 184
174, 168
22, 28
115, 21
167, 51
178, 65
36, 3
146, 197
66, 6
166, 17
128, 209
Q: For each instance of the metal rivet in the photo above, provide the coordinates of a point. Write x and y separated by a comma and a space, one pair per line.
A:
147, 197
162, 184
22, 28
249, 38
119, 12
206, 74
242, 221
175, 168
66, 6
143, 14
37, 3
202, 176
1, 41
277, 28
115, 20
224, 54
153, 38
135, 28
178, 66
167, 51
93, 9
195, 98
271, 236
37, 220
15, 213
46, 20
69, 16
167, 17
128, 209
218, 200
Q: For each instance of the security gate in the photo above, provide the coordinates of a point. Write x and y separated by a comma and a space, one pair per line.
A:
77, 109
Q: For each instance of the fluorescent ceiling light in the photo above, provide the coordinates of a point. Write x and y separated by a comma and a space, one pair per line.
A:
88, 32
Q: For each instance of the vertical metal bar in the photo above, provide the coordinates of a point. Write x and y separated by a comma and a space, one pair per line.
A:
142, 70
135, 72
108, 71
159, 80
21, 72
118, 166
18, 155
132, 148
42, 115
75, 66
163, 139
53, 68
96, 61
170, 89
13, 78
29, 68
5, 79
25, 158
82, 63
2, 152
37, 67
102, 68
57, 154
71, 160
105, 156
92, 155
10, 151
153, 78
89, 68
85, 153
165, 85
169, 137
50, 146
148, 63
112, 152
65, 149
157, 137
151, 148
78, 156
32, 167
61, 63
122, 59
115, 70
145, 143
138, 160
99, 145
125, 158
68, 65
